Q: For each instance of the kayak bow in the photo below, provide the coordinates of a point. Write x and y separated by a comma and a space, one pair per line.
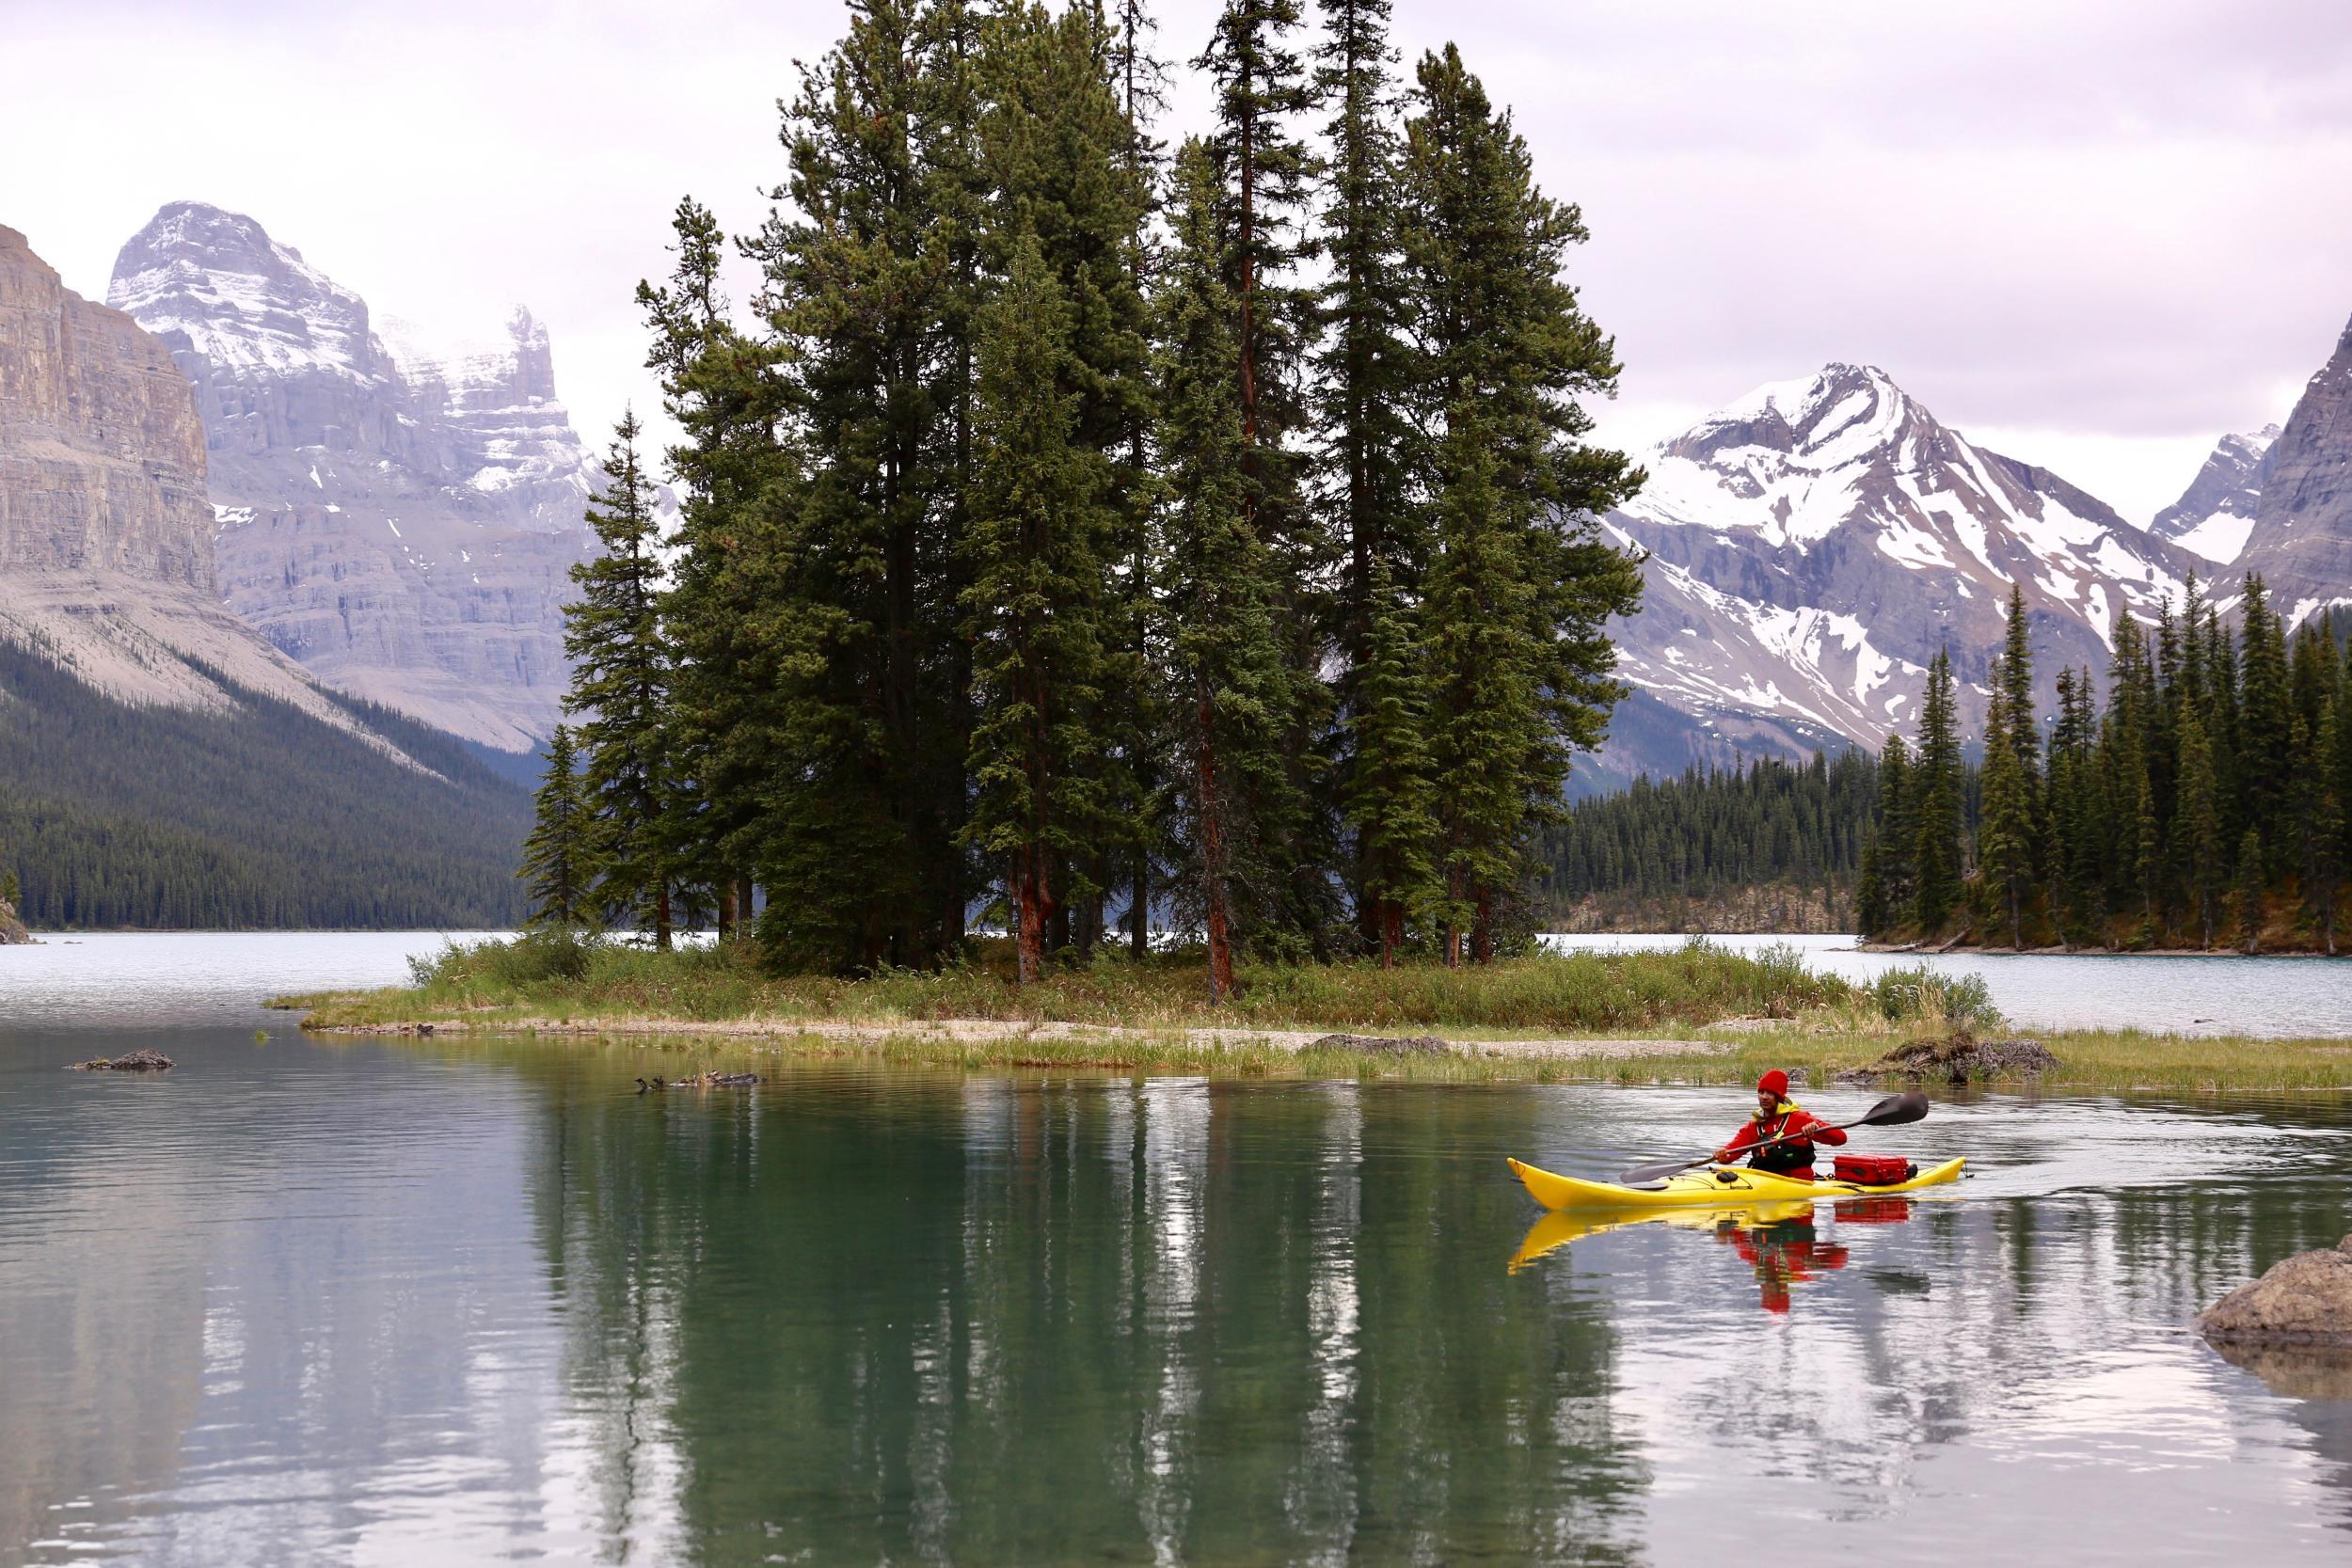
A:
1723, 1187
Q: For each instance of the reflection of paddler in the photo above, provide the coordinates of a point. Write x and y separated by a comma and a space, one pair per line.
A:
1559, 1226
1782, 1253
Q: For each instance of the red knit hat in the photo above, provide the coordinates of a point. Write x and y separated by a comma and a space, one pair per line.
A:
1774, 1083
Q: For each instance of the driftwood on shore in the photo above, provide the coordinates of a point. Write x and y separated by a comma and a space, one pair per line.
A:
1962, 1059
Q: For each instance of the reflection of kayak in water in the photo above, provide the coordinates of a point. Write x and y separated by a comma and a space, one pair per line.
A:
1560, 1227
1720, 1187
1777, 1241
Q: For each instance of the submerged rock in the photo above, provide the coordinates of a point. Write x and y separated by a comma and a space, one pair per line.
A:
1961, 1059
2305, 1300
141, 1060
1382, 1045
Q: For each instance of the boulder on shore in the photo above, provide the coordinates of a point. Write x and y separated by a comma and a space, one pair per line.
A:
1382, 1045
12, 929
2302, 1300
141, 1060
1961, 1059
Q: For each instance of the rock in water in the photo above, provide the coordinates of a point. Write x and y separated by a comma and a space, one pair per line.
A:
141, 1060
1382, 1045
2302, 1300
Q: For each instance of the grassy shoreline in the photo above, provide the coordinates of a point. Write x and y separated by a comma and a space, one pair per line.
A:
1698, 1014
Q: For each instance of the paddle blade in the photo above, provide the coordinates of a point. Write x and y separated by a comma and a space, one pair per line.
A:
1642, 1176
1895, 1109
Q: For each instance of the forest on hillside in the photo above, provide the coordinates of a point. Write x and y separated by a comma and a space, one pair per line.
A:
260, 818
2203, 804
1081, 527
1704, 850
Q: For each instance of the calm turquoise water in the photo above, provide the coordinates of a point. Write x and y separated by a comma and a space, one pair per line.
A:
398, 1302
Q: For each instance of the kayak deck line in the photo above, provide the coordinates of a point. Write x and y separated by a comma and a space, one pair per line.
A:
1717, 1187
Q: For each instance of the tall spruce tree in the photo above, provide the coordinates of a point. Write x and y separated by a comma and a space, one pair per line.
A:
2199, 826
1363, 425
559, 858
2005, 842
2265, 760
1392, 799
621, 670
1523, 580
719, 387
2326, 824
1033, 608
2245, 897
1939, 792
1230, 687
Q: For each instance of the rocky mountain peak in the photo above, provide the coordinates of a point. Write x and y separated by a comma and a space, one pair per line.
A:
1813, 545
2302, 541
2217, 511
212, 282
397, 511
1840, 413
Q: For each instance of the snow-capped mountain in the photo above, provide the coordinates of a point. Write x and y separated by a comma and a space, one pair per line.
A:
2217, 512
1813, 545
400, 517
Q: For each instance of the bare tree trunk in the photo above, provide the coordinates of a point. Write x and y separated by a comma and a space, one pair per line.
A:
1029, 903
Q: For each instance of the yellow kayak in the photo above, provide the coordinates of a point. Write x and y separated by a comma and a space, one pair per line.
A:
1716, 1187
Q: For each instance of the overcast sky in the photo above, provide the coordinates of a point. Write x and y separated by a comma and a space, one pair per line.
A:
2092, 235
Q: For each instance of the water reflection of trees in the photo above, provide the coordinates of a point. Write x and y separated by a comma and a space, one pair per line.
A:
991, 1320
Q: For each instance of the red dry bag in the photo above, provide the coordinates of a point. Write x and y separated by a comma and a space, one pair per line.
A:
1871, 1170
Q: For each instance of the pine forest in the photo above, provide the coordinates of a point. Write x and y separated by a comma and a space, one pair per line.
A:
2201, 806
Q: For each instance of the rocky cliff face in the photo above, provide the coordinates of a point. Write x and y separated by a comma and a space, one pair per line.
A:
399, 518
2302, 541
102, 459
1815, 544
107, 551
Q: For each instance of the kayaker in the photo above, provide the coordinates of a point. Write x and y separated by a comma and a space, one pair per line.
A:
1775, 1117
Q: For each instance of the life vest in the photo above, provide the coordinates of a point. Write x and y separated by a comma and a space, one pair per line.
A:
1780, 1159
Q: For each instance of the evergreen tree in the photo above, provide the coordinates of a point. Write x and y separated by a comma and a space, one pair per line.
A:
719, 387
1363, 413
2015, 680
2326, 824
1523, 582
868, 280
2200, 827
1899, 834
2265, 758
1230, 686
2005, 842
1938, 784
559, 861
1033, 606
1392, 799
620, 680
2247, 895
1869, 894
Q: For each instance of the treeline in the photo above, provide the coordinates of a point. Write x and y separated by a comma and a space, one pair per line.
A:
1079, 529
262, 818
1714, 831
2203, 804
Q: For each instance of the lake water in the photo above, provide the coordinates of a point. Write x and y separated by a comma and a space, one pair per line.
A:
2274, 997
398, 1302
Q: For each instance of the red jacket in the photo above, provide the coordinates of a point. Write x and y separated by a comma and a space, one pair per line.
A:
1789, 1159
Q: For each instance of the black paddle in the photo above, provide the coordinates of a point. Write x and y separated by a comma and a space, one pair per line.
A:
1895, 1109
